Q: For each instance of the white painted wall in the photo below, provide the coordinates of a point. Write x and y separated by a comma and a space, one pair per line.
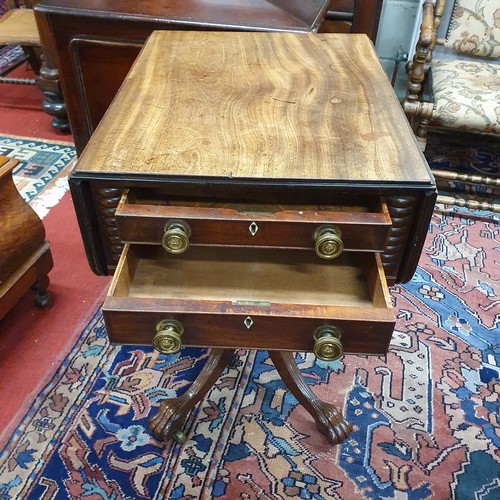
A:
397, 32
399, 29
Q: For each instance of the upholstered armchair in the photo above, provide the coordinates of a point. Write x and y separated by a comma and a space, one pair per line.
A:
459, 92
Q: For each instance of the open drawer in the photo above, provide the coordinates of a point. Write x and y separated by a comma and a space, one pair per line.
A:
177, 224
250, 298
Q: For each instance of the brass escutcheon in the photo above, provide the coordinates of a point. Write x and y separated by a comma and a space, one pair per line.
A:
176, 236
328, 242
168, 336
327, 345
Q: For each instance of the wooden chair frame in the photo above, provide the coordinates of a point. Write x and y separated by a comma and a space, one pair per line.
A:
419, 111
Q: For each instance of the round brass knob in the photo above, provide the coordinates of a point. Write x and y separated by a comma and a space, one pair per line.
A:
168, 336
176, 236
327, 345
328, 242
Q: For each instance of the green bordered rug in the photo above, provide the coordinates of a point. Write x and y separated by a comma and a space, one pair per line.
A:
42, 174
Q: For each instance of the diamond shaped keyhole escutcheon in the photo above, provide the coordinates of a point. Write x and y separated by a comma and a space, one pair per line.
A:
253, 228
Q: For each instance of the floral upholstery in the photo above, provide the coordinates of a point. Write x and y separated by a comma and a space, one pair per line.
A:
474, 28
466, 95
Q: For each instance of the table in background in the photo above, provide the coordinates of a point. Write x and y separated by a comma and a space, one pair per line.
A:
90, 45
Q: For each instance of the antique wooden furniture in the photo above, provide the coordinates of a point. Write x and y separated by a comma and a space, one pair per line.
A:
18, 27
353, 16
260, 195
454, 94
25, 257
90, 46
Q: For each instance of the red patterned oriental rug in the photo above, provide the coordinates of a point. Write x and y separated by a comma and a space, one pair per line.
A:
425, 417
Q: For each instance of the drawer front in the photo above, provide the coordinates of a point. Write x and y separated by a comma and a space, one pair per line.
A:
249, 298
248, 331
357, 228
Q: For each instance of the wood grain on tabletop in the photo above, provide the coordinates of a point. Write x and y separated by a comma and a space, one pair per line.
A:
257, 105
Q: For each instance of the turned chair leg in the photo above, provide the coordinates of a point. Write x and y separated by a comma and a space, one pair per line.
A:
172, 413
42, 297
421, 132
328, 418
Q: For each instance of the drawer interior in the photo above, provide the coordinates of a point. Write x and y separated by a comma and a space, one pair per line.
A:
252, 205
251, 276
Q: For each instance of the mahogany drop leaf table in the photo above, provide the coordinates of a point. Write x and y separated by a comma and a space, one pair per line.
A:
258, 191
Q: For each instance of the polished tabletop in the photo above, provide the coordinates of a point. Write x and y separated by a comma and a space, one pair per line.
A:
246, 105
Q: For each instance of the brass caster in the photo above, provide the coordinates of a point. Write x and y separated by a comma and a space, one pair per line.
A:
179, 437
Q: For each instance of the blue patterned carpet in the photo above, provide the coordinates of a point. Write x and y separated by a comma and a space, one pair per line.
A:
425, 417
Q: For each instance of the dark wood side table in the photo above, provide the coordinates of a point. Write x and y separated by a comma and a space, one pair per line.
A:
259, 195
90, 45
25, 258
353, 16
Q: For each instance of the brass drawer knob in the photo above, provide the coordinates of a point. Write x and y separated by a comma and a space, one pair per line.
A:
328, 242
176, 237
327, 345
168, 336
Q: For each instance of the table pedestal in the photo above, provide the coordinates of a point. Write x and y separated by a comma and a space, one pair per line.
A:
172, 414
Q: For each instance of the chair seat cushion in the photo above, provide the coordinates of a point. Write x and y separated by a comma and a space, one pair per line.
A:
18, 27
466, 95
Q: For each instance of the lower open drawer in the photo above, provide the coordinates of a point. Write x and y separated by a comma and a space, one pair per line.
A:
249, 298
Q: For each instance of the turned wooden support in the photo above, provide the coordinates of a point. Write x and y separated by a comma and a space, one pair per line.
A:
419, 113
467, 178
48, 80
41, 295
470, 204
53, 103
480, 180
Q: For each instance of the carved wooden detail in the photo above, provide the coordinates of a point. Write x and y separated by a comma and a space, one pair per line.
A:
328, 418
106, 199
419, 113
173, 412
402, 211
